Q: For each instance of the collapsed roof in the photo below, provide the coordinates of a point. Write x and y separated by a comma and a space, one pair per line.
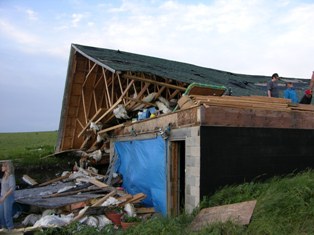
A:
99, 79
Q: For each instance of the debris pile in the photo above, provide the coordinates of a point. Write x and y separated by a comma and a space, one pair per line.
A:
79, 196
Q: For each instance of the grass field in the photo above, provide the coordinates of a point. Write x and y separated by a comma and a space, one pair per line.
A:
27, 147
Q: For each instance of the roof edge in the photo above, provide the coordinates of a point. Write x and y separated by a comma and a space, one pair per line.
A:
91, 58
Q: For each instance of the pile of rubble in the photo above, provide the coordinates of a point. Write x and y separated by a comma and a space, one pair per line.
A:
79, 196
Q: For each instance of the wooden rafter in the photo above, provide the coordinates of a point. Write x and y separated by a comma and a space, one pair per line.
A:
78, 121
160, 91
120, 85
84, 106
106, 87
95, 100
173, 94
155, 82
112, 86
88, 74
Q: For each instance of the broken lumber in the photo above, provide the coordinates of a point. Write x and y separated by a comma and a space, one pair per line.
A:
27, 179
103, 199
135, 199
145, 210
55, 180
98, 183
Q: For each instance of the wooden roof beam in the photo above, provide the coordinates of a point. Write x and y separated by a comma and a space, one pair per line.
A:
106, 86
154, 82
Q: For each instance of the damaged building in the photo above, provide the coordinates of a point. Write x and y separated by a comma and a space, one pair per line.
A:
177, 132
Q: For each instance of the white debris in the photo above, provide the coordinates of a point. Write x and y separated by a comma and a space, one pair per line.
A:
96, 155
149, 98
31, 219
48, 212
99, 138
64, 173
78, 174
54, 221
164, 101
120, 112
103, 221
92, 169
130, 210
161, 106
92, 221
110, 201
94, 126
98, 221
65, 189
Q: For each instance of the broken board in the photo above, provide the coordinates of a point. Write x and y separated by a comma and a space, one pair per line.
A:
239, 213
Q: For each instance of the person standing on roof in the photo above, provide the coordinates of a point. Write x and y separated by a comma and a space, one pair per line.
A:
290, 93
307, 98
7, 195
272, 86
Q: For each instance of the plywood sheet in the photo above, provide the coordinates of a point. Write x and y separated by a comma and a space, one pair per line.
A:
240, 213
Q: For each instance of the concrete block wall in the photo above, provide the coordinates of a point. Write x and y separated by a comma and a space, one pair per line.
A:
192, 169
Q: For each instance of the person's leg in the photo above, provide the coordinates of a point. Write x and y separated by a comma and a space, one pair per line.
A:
2, 222
8, 206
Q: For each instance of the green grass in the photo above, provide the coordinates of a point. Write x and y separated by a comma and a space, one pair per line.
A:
27, 148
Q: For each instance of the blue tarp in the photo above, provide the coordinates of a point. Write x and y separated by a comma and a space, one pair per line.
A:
142, 163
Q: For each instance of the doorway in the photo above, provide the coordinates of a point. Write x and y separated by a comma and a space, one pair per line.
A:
177, 177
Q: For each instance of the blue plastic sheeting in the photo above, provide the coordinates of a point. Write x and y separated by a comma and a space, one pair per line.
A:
142, 164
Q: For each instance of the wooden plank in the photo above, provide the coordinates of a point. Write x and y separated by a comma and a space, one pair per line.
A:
140, 101
98, 183
125, 198
29, 180
111, 128
55, 180
134, 199
106, 86
145, 210
246, 117
137, 198
246, 99
303, 107
103, 199
239, 213
236, 104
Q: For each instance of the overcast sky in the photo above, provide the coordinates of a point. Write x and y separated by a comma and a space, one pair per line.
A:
249, 37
